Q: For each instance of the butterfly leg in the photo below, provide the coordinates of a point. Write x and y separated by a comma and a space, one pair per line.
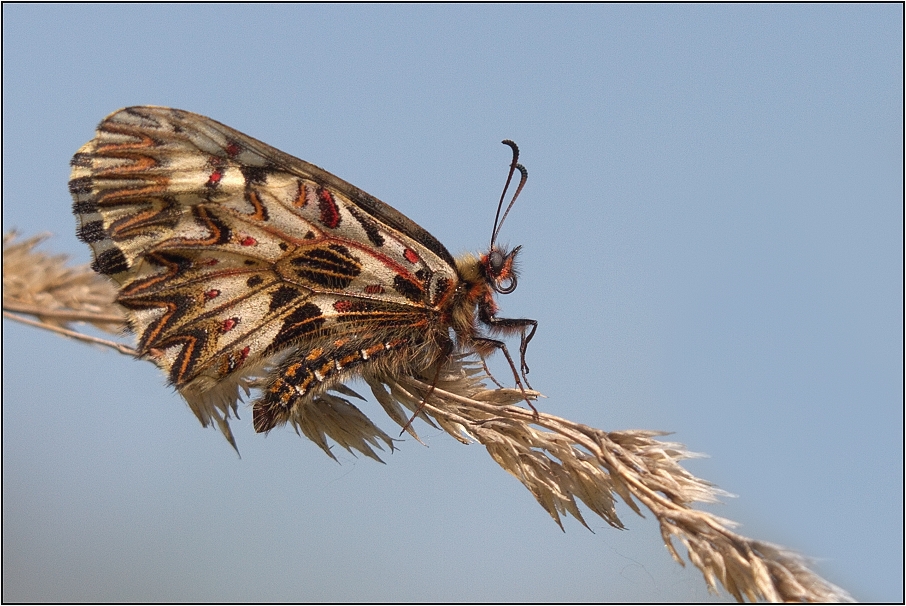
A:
487, 371
523, 345
508, 325
502, 347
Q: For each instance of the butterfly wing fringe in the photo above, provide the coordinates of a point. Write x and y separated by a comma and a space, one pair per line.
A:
329, 415
216, 405
392, 407
559, 461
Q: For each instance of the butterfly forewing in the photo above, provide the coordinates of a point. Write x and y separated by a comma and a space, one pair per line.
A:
229, 253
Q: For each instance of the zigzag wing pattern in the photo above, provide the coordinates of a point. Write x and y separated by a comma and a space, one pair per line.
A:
232, 256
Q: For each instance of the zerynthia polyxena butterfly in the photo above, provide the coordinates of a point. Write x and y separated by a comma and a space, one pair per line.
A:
234, 259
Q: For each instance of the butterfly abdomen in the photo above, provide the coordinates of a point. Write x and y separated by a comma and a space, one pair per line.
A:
311, 371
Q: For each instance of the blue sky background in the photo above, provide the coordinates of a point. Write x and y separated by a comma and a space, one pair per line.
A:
713, 245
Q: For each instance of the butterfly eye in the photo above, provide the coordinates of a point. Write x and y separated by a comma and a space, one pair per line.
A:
496, 261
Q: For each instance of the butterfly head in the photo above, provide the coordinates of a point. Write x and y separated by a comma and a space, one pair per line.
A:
499, 269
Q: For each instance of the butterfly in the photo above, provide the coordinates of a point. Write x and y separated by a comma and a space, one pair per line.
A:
235, 260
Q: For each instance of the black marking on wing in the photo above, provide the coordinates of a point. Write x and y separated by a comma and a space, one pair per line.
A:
81, 160
193, 346
304, 320
177, 264
443, 285
110, 262
369, 226
283, 296
92, 232
255, 174
84, 207
220, 231
408, 289
331, 267
81, 185
176, 305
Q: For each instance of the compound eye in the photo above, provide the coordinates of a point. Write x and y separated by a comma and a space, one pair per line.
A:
496, 261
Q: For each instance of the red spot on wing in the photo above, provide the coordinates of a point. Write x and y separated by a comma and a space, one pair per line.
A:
215, 178
212, 294
374, 289
411, 256
229, 324
330, 213
233, 149
343, 306
248, 241
210, 262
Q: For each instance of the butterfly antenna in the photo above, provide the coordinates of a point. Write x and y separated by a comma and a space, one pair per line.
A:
522, 181
514, 166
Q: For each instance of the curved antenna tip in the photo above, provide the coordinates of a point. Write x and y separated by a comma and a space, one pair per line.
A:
513, 145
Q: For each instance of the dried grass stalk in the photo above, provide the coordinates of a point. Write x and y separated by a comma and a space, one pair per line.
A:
44, 286
559, 461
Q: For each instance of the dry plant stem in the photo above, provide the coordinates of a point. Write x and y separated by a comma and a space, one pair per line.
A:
124, 349
65, 315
